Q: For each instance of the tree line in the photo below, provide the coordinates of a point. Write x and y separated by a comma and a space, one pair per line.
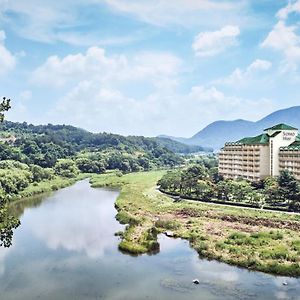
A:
44, 145
203, 183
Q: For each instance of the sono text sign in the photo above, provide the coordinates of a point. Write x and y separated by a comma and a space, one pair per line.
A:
288, 135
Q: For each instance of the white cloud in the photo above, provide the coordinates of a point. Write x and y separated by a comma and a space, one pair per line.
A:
214, 42
56, 21
3, 254
259, 65
212, 104
7, 59
283, 38
293, 6
99, 109
96, 95
245, 77
183, 12
97, 66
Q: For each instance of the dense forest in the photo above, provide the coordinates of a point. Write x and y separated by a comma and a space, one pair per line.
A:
44, 145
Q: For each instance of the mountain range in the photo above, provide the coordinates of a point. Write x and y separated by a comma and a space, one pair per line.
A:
217, 133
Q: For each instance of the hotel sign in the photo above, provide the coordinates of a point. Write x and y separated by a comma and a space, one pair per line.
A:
288, 135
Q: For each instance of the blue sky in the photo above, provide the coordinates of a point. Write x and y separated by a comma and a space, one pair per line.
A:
148, 67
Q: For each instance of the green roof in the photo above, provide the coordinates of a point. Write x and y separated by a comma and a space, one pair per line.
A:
281, 126
293, 146
262, 139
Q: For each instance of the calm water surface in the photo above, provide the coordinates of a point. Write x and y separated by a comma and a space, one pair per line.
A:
66, 249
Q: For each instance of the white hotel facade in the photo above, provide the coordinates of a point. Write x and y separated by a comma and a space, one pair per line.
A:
255, 158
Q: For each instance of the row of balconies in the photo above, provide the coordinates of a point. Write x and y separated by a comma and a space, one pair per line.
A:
282, 162
251, 176
244, 158
230, 170
240, 149
240, 163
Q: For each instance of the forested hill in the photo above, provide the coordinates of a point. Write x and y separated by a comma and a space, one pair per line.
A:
179, 147
44, 144
81, 138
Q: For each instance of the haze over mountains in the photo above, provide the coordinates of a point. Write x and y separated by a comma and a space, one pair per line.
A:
217, 133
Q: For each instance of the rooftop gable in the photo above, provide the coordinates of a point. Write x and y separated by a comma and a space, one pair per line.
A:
281, 126
293, 146
261, 139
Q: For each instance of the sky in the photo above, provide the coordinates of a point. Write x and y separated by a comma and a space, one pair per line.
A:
148, 67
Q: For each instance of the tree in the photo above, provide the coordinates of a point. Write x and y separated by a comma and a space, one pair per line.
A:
66, 168
289, 190
204, 190
271, 190
288, 186
190, 178
87, 165
214, 175
4, 106
171, 182
7, 222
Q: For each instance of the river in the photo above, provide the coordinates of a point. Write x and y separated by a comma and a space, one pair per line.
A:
65, 248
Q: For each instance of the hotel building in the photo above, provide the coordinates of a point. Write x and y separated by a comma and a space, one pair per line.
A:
254, 158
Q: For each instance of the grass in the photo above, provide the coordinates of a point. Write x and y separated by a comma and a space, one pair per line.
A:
255, 239
48, 186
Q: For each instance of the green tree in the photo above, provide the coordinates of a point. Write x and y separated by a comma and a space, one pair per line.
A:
289, 190
288, 186
87, 165
40, 174
7, 222
271, 190
171, 182
204, 190
66, 168
190, 177
4, 106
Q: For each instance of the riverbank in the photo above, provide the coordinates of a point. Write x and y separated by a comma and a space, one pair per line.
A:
38, 188
258, 240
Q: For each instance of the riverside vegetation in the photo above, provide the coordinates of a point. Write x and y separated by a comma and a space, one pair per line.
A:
38, 159
255, 239
202, 182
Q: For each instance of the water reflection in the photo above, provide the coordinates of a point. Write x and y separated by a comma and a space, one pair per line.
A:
77, 221
66, 249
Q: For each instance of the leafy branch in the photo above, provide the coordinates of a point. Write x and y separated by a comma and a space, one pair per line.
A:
4, 106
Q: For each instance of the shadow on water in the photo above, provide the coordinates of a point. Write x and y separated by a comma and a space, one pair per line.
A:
17, 208
66, 248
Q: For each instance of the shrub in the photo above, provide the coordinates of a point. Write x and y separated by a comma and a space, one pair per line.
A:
66, 168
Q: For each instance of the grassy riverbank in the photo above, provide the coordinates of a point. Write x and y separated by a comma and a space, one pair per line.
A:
258, 240
48, 186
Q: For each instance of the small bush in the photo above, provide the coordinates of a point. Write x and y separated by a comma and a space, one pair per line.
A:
201, 247
279, 252
296, 246
167, 224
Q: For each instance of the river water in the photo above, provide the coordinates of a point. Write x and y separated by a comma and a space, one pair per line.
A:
66, 249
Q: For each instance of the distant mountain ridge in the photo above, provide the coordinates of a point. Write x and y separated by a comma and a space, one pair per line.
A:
217, 133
